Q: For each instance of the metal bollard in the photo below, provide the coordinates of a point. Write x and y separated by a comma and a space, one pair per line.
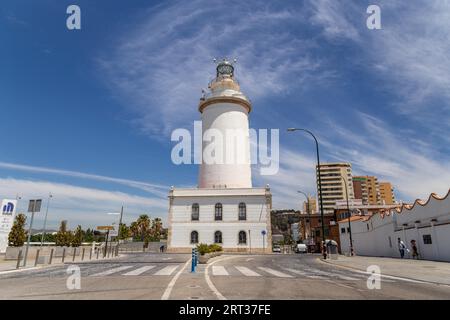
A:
19, 258
193, 260
64, 255
74, 252
82, 254
51, 257
98, 251
90, 254
37, 257
196, 256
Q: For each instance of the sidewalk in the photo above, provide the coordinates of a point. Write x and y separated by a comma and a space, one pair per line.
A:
10, 265
423, 270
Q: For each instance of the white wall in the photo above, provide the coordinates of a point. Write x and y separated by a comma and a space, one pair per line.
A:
371, 237
258, 219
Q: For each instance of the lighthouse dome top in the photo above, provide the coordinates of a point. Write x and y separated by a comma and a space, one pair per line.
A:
224, 87
225, 68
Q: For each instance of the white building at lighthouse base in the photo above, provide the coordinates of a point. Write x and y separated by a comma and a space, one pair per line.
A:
238, 219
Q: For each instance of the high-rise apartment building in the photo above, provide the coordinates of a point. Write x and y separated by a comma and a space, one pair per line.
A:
386, 193
333, 186
312, 205
367, 189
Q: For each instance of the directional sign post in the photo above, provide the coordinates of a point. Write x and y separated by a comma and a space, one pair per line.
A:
33, 206
108, 229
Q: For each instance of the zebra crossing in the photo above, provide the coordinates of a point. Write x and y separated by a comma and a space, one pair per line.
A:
283, 272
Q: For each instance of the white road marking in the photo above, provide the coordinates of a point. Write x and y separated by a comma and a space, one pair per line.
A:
219, 271
111, 271
296, 271
331, 274
210, 283
172, 282
275, 272
167, 271
138, 271
247, 272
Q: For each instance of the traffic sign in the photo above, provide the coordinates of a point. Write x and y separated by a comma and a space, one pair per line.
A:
105, 228
263, 232
34, 205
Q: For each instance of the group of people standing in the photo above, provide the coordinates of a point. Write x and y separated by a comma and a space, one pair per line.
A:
403, 249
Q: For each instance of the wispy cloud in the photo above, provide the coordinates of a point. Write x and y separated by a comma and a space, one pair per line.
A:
79, 205
161, 65
156, 189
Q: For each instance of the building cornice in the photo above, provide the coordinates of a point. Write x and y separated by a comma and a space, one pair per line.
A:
224, 99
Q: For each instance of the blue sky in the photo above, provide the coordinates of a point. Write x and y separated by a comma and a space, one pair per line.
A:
87, 114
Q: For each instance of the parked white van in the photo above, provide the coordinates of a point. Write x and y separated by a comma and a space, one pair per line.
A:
301, 248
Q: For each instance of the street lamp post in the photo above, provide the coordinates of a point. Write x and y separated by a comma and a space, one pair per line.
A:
45, 219
320, 183
349, 217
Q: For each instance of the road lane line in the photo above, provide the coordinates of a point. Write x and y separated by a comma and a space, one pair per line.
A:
138, 271
167, 271
219, 271
110, 271
247, 272
172, 282
275, 272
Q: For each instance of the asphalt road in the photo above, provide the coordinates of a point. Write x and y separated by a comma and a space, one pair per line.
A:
168, 276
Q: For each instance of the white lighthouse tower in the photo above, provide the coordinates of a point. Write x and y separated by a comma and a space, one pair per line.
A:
225, 208
225, 112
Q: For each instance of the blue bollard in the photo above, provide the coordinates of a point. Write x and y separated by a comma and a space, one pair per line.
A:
193, 261
196, 257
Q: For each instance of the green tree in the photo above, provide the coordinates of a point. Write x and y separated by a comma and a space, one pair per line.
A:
17, 235
77, 237
63, 237
140, 228
89, 235
124, 231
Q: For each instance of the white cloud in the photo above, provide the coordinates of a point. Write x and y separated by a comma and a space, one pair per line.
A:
79, 205
156, 189
160, 67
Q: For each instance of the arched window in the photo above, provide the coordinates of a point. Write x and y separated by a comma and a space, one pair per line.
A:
218, 237
194, 237
242, 237
218, 212
242, 211
195, 212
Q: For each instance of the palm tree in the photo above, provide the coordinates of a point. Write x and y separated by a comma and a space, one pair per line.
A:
140, 228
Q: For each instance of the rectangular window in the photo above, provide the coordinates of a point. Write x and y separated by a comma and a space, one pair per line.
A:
427, 239
342, 230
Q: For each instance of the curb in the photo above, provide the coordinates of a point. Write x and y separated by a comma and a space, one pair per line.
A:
389, 275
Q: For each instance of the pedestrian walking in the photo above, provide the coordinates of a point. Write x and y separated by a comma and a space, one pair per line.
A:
161, 249
401, 247
415, 252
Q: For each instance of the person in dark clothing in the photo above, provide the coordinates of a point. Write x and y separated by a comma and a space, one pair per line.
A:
415, 252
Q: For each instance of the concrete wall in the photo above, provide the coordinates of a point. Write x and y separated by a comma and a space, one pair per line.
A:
377, 236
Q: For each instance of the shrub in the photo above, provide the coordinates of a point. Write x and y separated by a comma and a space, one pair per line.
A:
214, 248
202, 248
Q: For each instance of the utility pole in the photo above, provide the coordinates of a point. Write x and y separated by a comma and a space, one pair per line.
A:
45, 219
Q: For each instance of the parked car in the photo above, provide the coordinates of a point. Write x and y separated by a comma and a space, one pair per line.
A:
276, 248
301, 248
